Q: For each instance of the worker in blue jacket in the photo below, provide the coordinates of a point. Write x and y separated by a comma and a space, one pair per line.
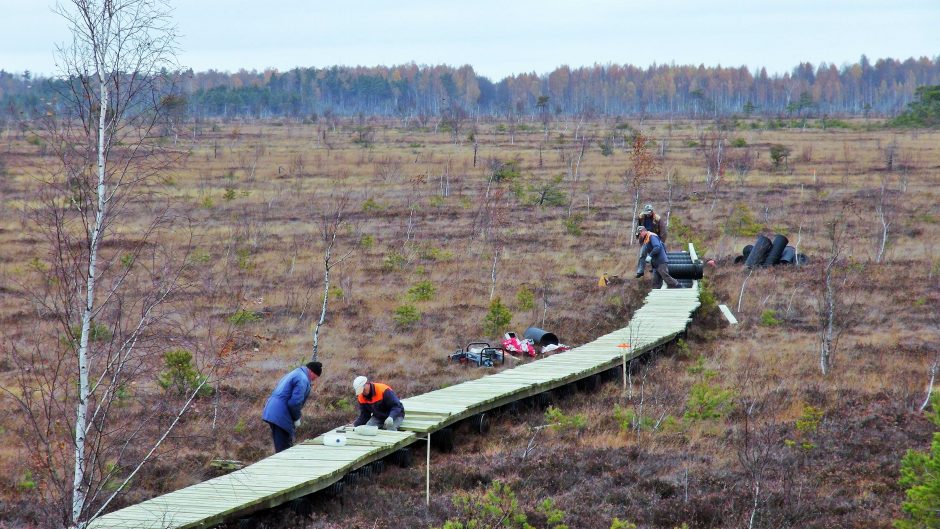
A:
282, 412
378, 405
655, 248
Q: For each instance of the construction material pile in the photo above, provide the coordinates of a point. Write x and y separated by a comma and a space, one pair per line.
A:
765, 252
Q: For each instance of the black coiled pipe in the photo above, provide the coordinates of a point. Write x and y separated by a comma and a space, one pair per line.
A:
759, 252
776, 250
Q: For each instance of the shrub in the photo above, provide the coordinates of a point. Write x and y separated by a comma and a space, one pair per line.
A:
560, 422
680, 231
229, 193
436, 254
707, 402
525, 298
682, 347
207, 202
243, 317
547, 192
243, 259
627, 419
422, 291
497, 508
741, 222
200, 256
920, 474
393, 260
739, 142
366, 241
617, 523
779, 154
768, 318
573, 224
924, 111
371, 206
180, 376
240, 426
806, 425
497, 319
504, 171
343, 405
27, 482
706, 296
406, 315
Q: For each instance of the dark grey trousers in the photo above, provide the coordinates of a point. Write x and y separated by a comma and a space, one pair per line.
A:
660, 274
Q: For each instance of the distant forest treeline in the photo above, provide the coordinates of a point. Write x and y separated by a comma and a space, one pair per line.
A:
884, 87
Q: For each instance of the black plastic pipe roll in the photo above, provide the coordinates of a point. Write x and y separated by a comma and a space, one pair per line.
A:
747, 250
686, 270
776, 250
789, 255
679, 257
759, 252
540, 337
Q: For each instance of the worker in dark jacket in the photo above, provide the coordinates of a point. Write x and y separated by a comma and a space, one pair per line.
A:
650, 220
653, 223
378, 405
282, 412
655, 248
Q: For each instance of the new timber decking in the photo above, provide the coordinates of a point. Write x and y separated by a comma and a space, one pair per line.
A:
310, 466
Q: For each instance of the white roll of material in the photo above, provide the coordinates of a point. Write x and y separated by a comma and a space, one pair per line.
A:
367, 430
334, 439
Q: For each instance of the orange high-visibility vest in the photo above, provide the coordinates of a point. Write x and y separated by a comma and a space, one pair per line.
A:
378, 391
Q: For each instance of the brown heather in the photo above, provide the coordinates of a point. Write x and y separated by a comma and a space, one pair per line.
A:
253, 191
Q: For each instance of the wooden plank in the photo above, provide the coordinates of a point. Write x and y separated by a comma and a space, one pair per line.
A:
728, 314
311, 466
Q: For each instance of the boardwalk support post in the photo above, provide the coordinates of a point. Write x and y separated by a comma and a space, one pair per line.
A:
427, 484
623, 347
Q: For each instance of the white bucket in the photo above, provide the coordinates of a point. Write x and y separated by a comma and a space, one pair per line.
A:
334, 439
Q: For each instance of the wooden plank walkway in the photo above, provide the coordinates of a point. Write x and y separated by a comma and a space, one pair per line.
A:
311, 466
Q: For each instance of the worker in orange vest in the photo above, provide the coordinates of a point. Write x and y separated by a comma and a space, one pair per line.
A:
378, 405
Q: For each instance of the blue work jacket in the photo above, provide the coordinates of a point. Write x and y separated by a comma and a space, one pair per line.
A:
287, 399
656, 250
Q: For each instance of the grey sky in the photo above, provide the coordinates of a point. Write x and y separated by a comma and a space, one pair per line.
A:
502, 37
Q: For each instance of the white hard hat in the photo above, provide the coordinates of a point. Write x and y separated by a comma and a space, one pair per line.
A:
359, 384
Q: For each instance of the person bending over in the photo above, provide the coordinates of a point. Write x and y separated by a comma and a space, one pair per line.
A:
378, 405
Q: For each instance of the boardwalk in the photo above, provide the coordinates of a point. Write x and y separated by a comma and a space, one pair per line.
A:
311, 466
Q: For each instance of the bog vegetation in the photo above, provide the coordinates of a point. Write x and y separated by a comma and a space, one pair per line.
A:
461, 236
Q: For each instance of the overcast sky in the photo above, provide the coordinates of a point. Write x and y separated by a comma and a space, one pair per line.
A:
499, 37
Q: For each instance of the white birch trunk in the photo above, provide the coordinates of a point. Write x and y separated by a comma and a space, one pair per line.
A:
933, 375
825, 348
636, 209
884, 234
79, 492
326, 296
493, 275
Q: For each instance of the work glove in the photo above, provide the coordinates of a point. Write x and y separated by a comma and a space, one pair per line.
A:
297, 423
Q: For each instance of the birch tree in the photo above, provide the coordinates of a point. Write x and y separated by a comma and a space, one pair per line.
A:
105, 298
332, 221
836, 310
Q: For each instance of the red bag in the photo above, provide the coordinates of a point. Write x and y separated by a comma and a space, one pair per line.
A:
513, 344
